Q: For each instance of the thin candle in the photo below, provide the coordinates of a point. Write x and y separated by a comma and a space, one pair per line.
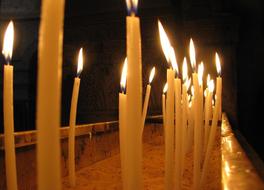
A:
214, 121
165, 88
123, 126
50, 48
169, 127
146, 101
72, 122
10, 152
134, 97
197, 123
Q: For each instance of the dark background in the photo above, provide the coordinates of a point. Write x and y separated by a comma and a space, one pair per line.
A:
234, 28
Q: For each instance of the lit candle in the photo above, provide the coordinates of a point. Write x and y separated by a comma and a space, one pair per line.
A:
169, 127
10, 152
74, 102
200, 106
134, 97
197, 123
208, 108
214, 121
123, 125
165, 88
185, 86
49, 94
146, 101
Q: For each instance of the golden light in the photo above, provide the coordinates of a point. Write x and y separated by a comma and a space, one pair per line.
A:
211, 86
227, 168
173, 61
132, 6
80, 62
124, 76
8, 42
208, 80
165, 88
190, 104
218, 64
192, 55
151, 75
184, 70
164, 41
188, 83
205, 93
200, 73
192, 90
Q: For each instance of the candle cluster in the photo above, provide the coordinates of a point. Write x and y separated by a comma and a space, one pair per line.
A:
187, 116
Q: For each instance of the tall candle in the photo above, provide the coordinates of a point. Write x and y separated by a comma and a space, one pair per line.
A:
200, 106
214, 121
10, 154
74, 102
49, 94
134, 98
197, 124
184, 111
169, 127
123, 126
146, 101
165, 88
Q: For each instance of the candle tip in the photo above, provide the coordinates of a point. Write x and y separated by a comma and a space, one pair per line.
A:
8, 42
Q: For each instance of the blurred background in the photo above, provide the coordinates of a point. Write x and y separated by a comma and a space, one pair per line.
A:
233, 28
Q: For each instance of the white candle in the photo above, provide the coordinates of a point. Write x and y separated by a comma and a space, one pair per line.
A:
197, 123
10, 153
169, 127
214, 121
123, 126
146, 101
49, 94
165, 88
74, 102
134, 99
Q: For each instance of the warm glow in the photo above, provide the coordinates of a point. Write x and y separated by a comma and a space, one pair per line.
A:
80, 62
227, 168
208, 80
218, 64
173, 61
192, 90
192, 55
151, 76
164, 41
8, 42
200, 73
211, 86
132, 6
188, 83
165, 88
184, 70
124, 76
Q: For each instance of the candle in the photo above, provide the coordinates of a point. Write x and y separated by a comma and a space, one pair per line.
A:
145, 106
197, 123
134, 98
208, 108
214, 121
165, 88
200, 106
10, 152
74, 101
49, 94
185, 86
169, 127
123, 126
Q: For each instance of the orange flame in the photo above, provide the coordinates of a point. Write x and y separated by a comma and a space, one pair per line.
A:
8, 42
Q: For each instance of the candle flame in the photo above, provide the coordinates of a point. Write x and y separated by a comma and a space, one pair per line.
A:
80, 62
8, 42
218, 64
173, 60
151, 75
132, 6
164, 41
200, 73
211, 86
184, 70
192, 55
165, 88
188, 83
124, 76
